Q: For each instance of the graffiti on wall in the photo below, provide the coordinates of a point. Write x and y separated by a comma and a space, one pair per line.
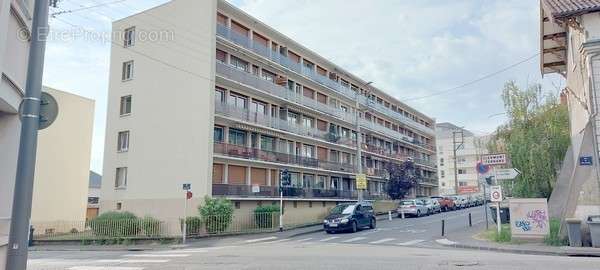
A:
529, 217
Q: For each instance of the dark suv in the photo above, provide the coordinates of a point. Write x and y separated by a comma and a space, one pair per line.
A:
349, 217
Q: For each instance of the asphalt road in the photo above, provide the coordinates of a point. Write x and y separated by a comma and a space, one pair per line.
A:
412, 243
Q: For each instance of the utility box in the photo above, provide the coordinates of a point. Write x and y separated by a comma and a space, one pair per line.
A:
529, 219
594, 223
574, 229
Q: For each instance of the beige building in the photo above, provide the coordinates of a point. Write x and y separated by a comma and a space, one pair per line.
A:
447, 137
570, 44
227, 104
15, 18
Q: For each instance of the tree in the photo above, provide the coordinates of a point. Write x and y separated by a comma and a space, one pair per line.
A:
536, 138
403, 177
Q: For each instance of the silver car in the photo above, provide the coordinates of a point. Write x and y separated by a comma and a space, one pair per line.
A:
414, 207
433, 206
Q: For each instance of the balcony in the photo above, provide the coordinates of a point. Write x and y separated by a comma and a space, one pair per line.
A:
246, 78
393, 134
289, 192
244, 41
248, 116
277, 157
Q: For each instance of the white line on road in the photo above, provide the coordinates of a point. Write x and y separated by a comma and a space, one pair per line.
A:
157, 255
304, 240
131, 261
277, 241
260, 239
105, 268
413, 242
382, 240
329, 238
445, 242
354, 239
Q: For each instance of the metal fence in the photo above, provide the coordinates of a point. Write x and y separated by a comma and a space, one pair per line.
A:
147, 228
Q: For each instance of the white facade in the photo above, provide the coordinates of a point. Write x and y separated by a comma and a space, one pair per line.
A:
466, 158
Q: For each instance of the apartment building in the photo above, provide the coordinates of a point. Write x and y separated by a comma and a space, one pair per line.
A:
228, 104
469, 149
570, 47
15, 18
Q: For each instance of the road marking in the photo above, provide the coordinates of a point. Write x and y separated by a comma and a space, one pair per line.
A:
329, 238
382, 240
304, 240
277, 241
105, 268
131, 261
413, 242
260, 239
354, 239
176, 251
445, 242
156, 255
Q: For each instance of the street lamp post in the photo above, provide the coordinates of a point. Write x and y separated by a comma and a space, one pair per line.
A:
359, 141
455, 148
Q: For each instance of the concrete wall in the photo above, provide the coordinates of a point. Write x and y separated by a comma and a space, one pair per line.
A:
172, 108
63, 161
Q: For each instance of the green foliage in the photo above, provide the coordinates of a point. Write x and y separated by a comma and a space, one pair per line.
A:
115, 224
553, 238
536, 139
150, 225
264, 215
216, 214
503, 237
193, 225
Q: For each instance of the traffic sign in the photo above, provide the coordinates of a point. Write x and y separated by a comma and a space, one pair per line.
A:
585, 160
481, 168
187, 186
188, 195
361, 181
496, 193
493, 159
507, 174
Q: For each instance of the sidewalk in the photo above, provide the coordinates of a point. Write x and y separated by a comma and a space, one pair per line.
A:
469, 239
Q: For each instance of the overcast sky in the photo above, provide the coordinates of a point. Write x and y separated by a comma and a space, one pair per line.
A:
410, 49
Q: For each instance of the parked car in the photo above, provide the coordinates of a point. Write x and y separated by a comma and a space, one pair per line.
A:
413, 207
433, 206
460, 201
446, 203
349, 217
471, 201
480, 199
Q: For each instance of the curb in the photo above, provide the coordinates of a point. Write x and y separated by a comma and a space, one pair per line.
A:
511, 250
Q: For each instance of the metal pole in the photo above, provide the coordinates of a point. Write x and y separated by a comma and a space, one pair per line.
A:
358, 145
455, 148
485, 199
498, 221
184, 218
443, 227
21, 207
280, 208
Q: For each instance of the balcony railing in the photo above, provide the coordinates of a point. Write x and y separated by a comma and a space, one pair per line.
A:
293, 192
248, 116
277, 157
244, 41
393, 134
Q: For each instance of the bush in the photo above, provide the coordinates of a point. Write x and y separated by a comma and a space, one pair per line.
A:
553, 238
115, 224
150, 225
216, 214
193, 225
264, 215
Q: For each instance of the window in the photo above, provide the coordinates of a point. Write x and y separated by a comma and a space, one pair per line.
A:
255, 70
462, 171
308, 151
258, 107
221, 56
125, 105
129, 37
237, 205
93, 200
121, 177
441, 161
334, 156
344, 108
295, 179
308, 180
119, 205
237, 137
462, 184
127, 73
269, 76
218, 134
308, 121
239, 63
293, 118
320, 181
346, 158
123, 141
267, 143
219, 95
442, 174
238, 101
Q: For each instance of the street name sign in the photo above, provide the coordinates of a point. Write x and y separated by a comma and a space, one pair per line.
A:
361, 181
507, 174
493, 159
585, 161
496, 193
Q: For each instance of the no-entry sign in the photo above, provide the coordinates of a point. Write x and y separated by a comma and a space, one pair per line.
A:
495, 193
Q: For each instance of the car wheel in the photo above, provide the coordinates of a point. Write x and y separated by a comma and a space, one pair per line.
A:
354, 227
373, 223
329, 232
418, 213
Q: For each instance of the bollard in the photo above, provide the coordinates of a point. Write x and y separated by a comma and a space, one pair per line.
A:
470, 221
402, 213
443, 227
389, 215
